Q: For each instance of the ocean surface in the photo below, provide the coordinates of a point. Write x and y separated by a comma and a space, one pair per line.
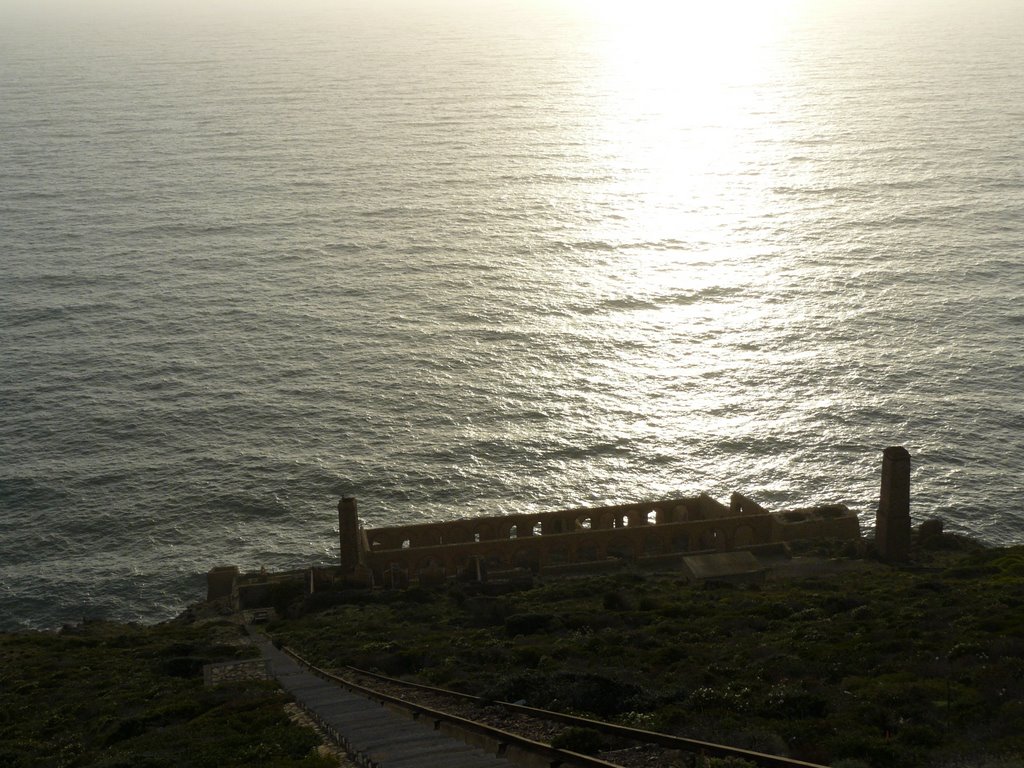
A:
463, 259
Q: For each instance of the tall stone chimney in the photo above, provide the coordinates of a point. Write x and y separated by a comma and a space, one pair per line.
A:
892, 525
348, 533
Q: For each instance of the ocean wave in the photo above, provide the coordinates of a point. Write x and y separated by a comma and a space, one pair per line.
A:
221, 315
20, 494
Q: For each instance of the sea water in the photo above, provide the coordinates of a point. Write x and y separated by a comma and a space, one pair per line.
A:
463, 259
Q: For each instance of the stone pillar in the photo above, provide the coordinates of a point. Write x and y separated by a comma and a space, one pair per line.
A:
348, 533
892, 525
220, 581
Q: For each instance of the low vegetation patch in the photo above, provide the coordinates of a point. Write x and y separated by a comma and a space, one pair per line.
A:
885, 667
874, 667
120, 696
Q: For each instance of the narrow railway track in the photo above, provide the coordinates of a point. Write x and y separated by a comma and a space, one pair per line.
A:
524, 733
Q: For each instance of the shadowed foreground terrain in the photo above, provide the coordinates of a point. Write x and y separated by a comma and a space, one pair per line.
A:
847, 662
127, 696
857, 664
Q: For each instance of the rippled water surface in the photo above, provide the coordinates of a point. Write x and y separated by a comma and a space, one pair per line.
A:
470, 259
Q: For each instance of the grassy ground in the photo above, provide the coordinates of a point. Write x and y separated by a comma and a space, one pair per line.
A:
872, 666
125, 696
853, 664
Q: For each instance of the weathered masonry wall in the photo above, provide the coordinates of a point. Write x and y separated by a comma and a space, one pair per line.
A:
650, 532
892, 524
524, 526
550, 541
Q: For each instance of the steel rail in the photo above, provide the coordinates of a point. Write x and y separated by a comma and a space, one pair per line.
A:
639, 735
612, 729
507, 743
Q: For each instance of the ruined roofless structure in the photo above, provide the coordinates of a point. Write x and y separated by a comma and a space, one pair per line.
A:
655, 533
649, 532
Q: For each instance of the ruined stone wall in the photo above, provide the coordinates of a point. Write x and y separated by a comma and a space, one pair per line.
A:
253, 590
520, 526
627, 532
830, 521
742, 505
590, 537
220, 580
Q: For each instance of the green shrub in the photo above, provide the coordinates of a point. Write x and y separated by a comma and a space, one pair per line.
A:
585, 741
728, 762
528, 623
919, 735
183, 666
792, 701
616, 601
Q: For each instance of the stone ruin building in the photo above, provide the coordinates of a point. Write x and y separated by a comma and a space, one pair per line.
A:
683, 533
652, 533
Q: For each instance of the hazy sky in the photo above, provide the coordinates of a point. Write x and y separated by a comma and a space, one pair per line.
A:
736, 10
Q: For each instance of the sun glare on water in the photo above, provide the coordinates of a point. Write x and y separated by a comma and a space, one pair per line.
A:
689, 117
684, 88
